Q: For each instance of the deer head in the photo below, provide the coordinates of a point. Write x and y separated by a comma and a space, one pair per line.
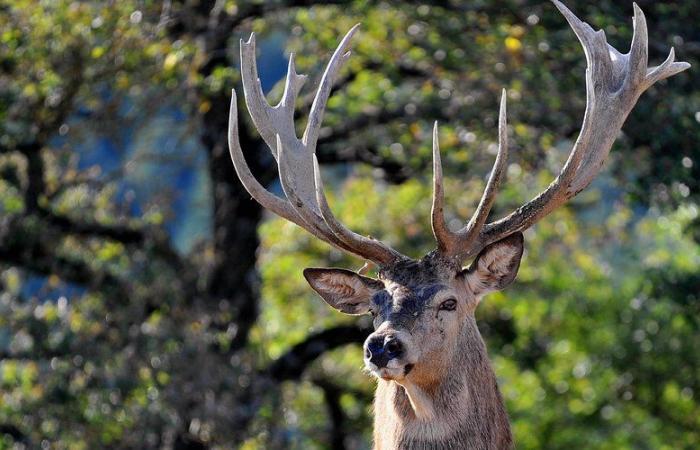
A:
424, 309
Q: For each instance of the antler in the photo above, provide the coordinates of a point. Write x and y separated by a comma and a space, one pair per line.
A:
614, 82
299, 173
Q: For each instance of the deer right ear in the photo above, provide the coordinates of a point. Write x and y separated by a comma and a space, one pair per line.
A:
496, 266
343, 289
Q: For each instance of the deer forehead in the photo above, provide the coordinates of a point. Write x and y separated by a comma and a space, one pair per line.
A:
398, 301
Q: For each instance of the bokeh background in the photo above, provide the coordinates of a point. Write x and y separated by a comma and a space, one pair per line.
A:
147, 303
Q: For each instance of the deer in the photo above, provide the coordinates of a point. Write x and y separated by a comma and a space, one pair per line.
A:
436, 388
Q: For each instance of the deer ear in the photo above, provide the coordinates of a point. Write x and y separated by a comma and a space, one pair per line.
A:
496, 266
343, 289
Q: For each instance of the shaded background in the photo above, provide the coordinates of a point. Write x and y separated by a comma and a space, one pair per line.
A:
148, 303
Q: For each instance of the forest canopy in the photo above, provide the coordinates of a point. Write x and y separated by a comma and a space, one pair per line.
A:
146, 301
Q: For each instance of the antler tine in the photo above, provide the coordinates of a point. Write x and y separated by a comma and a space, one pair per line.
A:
442, 233
666, 69
269, 120
639, 48
292, 85
613, 85
311, 216
305, 204
318, 107
266, 199
461, 244
471, 232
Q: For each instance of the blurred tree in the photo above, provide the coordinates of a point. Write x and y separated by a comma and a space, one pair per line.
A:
114, 336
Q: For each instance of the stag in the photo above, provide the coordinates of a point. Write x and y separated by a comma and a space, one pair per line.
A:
436, 388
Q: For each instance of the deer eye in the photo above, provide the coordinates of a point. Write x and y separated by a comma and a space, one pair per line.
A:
448, 305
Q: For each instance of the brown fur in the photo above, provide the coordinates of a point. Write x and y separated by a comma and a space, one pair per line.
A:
469, 411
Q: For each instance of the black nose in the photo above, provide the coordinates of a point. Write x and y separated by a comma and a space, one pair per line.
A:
382, 349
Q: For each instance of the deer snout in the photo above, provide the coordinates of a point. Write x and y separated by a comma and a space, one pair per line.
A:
380, 349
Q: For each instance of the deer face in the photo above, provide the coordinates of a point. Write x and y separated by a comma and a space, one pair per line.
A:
420, 308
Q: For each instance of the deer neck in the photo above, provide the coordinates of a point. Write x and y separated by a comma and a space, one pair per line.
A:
451, 405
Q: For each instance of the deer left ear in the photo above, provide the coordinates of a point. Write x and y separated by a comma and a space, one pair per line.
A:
496, 266
344, 290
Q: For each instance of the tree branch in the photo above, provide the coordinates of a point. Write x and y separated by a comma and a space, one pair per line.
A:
263, 8
394, 171
14, 432
292, 364
331, 394
125, 233
404, 72
380, 117
27, 243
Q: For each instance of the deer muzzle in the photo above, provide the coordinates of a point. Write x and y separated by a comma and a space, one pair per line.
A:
387, 355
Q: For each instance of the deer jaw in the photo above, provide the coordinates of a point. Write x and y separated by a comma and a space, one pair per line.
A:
463, 410
430, 365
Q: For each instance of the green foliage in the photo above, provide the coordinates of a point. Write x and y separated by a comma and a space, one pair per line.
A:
109, 338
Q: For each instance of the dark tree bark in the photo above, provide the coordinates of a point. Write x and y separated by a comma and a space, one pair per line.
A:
294, 362
331, 394
234, 279
14, 432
